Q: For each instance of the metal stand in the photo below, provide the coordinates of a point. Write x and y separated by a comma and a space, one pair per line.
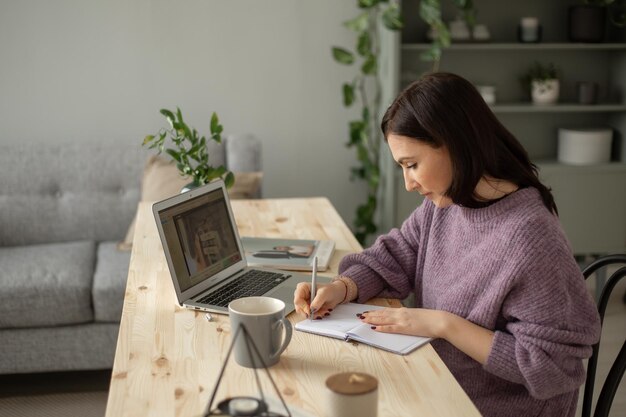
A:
262, 409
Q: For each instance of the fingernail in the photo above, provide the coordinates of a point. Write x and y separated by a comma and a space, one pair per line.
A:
359, 314
373, 327
365, 312
330, 309
318, 318
307, 316
361, 317
326, 314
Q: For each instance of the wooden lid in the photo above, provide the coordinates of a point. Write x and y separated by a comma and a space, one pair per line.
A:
351, 383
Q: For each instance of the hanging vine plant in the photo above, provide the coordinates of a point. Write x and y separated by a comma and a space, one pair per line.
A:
365, 89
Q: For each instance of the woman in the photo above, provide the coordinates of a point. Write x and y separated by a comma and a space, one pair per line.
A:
493, 275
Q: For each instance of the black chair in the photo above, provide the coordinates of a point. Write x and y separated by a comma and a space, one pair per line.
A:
614, 377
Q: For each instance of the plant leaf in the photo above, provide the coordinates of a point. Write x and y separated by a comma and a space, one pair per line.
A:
391, 17
348, 94
359, 23
369, 67
364, 44
343, 56
430, 11
148, 139
187, 133
173, 154
214, 122
219, 171
229, 180
356, 132
366, 4
169, 116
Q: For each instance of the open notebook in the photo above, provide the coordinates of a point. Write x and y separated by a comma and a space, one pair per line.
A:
343, 323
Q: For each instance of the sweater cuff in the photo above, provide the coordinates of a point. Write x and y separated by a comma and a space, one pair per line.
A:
369, 286
501, 360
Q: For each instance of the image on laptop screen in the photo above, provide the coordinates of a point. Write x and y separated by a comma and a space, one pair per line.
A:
200, 238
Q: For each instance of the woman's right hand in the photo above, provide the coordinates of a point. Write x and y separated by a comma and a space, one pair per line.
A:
326, 298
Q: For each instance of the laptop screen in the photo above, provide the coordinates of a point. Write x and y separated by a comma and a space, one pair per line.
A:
200, 238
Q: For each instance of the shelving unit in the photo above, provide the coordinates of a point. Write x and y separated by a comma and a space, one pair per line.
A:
591, 199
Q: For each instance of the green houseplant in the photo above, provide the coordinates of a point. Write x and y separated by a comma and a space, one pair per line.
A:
365, 89
542, 82
189, 149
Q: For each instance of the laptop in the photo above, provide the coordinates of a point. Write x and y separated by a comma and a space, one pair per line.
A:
205, 256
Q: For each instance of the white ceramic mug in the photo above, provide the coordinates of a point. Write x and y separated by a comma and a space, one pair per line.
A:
265, 322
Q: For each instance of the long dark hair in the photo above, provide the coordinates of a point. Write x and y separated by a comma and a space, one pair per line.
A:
443, 109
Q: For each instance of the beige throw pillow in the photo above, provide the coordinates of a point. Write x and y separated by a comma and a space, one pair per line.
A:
161, 179
247, 185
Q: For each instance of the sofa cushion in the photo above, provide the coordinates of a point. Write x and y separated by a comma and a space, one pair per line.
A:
109, 282
71, 193
59, 348
46, 285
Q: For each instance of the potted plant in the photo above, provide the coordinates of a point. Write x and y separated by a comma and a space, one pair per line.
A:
189, 150
542, 82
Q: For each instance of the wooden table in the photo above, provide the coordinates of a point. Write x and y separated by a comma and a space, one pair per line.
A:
168, 358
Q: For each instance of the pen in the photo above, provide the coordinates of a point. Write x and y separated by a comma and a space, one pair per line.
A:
313, 284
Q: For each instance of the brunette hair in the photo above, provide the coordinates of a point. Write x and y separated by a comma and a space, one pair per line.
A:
443, 109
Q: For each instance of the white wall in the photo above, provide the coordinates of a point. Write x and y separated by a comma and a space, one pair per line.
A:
87, 70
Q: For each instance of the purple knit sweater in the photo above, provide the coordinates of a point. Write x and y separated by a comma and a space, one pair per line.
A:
507, 267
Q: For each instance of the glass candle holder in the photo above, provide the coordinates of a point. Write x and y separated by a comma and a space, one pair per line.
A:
529, 30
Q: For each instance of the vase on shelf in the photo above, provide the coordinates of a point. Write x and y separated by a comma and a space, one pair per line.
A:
587, 23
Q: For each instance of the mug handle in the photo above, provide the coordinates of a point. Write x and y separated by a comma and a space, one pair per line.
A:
287, 338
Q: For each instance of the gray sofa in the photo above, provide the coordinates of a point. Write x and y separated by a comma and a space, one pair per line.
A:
63, 209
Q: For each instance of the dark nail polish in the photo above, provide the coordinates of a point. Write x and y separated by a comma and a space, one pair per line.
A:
365, 312
330, 309
359, 314
373, 327
318, 318
326, 314
361, 317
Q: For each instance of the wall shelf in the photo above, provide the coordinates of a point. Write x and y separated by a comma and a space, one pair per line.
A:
591, 198
511, 46
556, 108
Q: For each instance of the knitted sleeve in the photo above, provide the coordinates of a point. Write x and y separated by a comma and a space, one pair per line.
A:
387, 268
551, 319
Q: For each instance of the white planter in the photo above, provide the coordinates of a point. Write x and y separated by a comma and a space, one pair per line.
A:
545, 91
585, 146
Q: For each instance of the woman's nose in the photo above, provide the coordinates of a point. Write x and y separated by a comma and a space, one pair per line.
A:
409, 183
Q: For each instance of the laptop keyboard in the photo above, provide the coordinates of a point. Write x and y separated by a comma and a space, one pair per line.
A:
252, 283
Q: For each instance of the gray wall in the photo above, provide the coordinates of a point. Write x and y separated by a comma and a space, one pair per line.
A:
86, 70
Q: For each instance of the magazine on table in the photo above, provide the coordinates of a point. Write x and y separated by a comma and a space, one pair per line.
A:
290, 254
343, 323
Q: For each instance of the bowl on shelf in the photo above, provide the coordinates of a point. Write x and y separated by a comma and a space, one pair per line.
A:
584, 146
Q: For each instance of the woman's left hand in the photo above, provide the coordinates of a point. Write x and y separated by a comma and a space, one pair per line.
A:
468, 337
413, 321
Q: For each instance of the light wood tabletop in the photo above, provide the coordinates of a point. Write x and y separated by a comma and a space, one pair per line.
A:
168, 358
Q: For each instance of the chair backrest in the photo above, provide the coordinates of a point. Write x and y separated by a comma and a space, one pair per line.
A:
614, 377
